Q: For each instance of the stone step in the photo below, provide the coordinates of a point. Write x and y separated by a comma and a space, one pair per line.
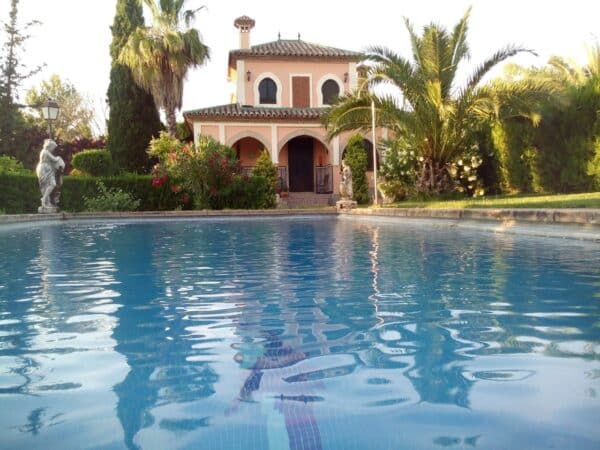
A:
306, 199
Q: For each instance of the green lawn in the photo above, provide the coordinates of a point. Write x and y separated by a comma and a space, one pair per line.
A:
584, 200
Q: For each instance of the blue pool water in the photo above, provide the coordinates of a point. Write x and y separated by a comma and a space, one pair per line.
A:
296, 334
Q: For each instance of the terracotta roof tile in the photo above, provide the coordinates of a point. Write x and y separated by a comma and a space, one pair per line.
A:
293, 48
237, 111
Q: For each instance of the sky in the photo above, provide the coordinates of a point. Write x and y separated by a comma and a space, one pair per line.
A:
74, 38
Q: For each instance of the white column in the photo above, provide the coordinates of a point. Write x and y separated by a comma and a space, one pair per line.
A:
241, 82
336, 151
352, 76
197, 131
274, 146
222, 133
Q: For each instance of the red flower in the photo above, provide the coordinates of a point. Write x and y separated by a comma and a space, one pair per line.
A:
185, 198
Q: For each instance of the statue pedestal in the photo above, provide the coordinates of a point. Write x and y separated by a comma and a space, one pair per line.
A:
48, 210
345, 204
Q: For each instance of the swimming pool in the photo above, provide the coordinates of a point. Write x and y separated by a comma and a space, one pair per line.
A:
296, 333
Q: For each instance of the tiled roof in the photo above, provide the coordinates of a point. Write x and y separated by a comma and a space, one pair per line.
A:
293, 48
237, 111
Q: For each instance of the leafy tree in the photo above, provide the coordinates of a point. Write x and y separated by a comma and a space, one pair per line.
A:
12, 74
266, 169
356, 158
76, 115
160, 56
559, 153
133, 118
436, 118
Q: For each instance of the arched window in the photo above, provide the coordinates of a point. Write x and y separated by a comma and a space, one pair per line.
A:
267, 90
330, 91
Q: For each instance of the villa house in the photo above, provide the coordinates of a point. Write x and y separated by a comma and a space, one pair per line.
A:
282, 89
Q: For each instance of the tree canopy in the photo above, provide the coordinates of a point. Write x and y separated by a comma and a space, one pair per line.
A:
76, 116
161, 55
433, 115
133, 117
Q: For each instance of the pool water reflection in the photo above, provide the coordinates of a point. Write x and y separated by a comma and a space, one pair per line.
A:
296, 334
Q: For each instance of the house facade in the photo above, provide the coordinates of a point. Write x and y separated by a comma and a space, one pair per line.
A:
282, 90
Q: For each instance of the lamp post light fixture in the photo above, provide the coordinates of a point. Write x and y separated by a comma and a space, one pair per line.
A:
50, 111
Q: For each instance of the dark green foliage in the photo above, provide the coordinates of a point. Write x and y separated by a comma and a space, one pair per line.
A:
565, 140
9, 164
93, 162
66, 149
266, 169
252, 192
19, 193
356, 158
184, 132
133, 119
111, 199
516, 156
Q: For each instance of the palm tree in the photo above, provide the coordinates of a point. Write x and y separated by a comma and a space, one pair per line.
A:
431, 115
160, 55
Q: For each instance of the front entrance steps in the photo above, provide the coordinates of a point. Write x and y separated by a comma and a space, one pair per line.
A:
306, 200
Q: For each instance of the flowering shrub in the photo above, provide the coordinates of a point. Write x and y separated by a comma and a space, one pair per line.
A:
464, 173
402, 166
399, 171
206, 170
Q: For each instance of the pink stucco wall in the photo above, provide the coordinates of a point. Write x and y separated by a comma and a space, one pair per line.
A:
283, 70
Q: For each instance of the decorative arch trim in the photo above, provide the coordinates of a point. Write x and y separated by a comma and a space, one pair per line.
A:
257, 81
303, 132
321, 82
248, 134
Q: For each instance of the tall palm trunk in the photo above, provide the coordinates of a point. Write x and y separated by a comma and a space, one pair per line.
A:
171, 122
433, 178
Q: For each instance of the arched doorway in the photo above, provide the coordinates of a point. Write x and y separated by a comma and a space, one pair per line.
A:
247, 150
300, 164
305, 165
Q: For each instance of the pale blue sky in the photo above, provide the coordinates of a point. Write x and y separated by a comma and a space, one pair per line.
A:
74, 38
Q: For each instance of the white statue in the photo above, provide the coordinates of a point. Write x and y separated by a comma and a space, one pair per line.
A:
346, 182
49, 172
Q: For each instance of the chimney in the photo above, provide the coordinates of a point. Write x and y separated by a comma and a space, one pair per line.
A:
244, 24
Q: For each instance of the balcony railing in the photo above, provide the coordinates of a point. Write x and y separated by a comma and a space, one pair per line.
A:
324, 179
247, 170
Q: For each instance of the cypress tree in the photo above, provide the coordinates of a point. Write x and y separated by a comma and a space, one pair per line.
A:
133, 119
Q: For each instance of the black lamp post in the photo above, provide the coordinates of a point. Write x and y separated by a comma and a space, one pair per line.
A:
50, 111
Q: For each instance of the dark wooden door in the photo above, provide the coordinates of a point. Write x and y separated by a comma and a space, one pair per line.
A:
301, 92
300, 162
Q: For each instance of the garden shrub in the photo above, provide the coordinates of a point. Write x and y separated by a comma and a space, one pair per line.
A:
20, 193
398, 171
516, 156
206, 170
356, 158
110, 199
9, 164
253, 192
95, 162
266, 169
593, 167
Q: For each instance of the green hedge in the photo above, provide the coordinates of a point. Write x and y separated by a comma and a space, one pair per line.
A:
19, 193
94, 162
